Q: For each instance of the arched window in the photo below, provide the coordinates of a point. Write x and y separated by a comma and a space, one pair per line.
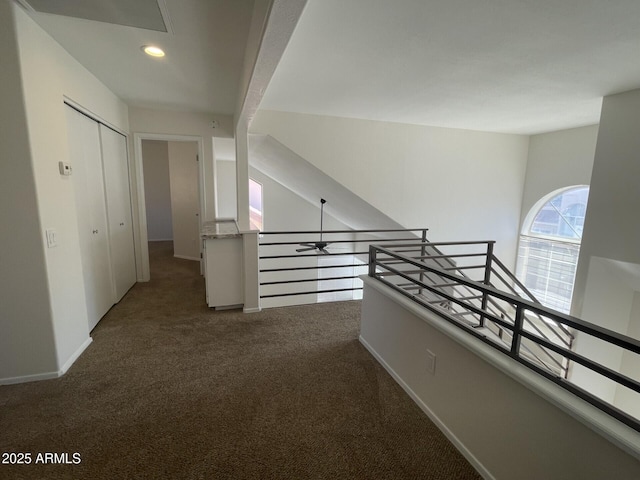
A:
550, 244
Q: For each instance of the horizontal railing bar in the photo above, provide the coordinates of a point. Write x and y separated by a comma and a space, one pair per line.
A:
466, 267
469, 267
310, 292
311, 232
583, 394
474, 297
530, 352
615, 338
372, 240
304, 280
520, 285
443, 285
554, 360
471, 312
439, 311
293, 269
390, 274
477, 310
457, 255
582, 360
467, 312
311, 255
530, 322
441, 244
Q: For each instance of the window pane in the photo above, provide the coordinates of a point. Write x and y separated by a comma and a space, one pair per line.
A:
548, 269
255, 204
563, 216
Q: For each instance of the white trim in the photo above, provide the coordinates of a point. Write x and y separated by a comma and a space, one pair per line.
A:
471, 458
75, 105
145, 274
49, 375
605, 425
166, 18
252, 310
29, 378
75, 356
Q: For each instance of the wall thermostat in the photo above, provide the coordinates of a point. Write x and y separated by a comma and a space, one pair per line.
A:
65, 168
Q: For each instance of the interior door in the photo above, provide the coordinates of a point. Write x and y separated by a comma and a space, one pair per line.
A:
185, 201
116, 181
88, 183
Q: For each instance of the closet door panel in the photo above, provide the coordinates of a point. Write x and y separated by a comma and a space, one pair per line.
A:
88, 183
116, 180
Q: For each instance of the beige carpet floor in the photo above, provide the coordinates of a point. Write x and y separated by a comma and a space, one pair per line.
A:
170, 389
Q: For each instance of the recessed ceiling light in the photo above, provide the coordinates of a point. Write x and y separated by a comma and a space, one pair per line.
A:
153, 51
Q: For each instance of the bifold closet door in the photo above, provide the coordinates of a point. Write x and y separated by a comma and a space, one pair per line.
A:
88, 183
116, 181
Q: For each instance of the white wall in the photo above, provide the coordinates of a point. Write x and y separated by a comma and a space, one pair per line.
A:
462, 185
608, 300
557, 160
226, 188
185, 202
26, 322
612, 229
476, 396
157, 190
145, 120
49, 74
626, 399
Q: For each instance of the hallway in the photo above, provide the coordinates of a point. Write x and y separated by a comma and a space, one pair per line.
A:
171, 389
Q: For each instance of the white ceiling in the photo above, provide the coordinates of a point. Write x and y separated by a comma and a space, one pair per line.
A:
515, 66
204, 49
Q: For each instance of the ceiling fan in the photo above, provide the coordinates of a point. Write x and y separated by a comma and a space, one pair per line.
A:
321, 245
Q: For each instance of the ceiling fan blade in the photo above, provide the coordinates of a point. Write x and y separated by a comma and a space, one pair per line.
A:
305, 249
324, 251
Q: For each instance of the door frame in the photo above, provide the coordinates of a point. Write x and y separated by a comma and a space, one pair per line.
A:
142, 245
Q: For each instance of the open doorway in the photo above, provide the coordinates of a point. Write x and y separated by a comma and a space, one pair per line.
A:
171, 198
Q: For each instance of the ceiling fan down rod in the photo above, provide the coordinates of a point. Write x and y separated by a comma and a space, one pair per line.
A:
322, 202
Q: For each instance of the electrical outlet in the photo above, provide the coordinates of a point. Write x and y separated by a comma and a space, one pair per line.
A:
431, 362
52, 238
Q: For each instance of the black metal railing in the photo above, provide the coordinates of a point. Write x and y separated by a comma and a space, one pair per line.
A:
476, 260
319, 274
438, 285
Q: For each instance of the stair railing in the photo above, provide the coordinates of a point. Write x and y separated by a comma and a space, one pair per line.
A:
394, 268
492, 272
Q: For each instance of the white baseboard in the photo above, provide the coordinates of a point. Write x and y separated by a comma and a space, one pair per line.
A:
29, 378
252, 310
75, 356
48, 375
184, 257
471, 458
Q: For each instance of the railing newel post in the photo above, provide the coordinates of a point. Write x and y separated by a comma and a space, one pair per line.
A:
487, 279
372, 260
423, 253
516, 339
